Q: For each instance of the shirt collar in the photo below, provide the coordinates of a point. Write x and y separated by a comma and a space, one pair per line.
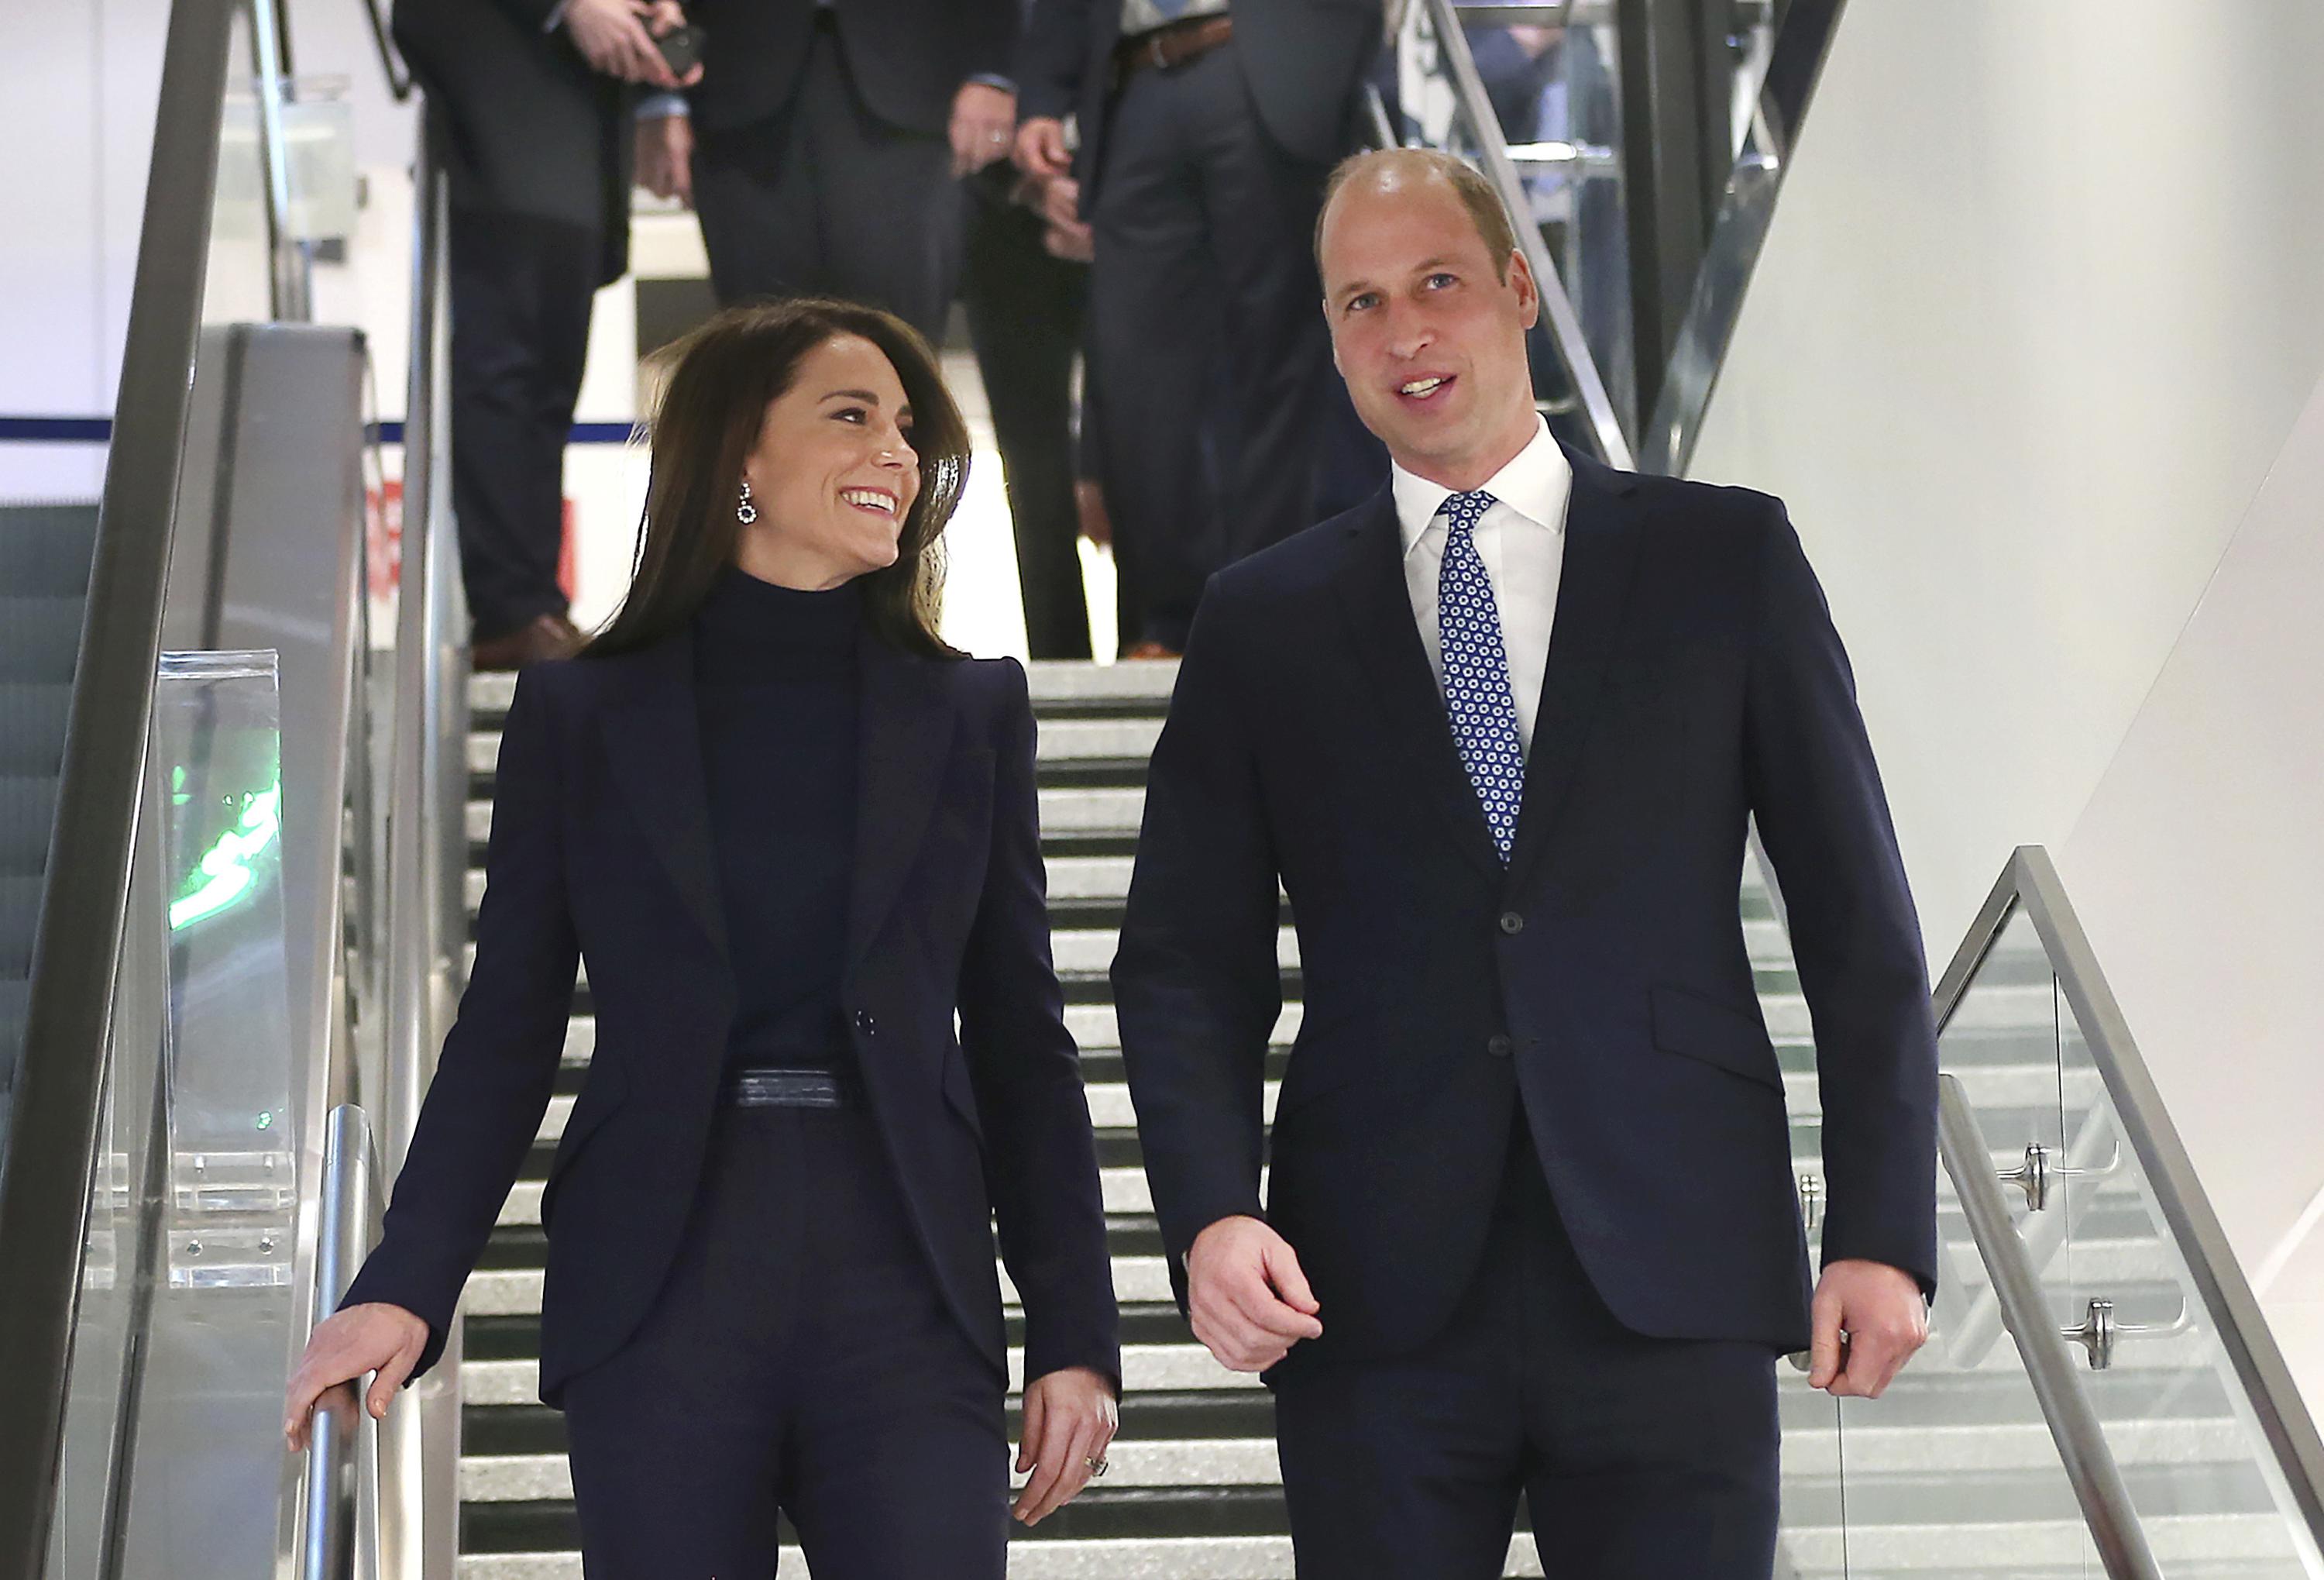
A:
1535, 485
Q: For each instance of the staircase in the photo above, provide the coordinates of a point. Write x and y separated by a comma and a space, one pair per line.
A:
45, 550
1952, 1475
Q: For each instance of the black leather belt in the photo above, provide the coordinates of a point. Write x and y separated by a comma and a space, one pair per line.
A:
792, 1089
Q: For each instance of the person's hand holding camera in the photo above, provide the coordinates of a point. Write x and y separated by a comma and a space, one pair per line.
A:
617, 37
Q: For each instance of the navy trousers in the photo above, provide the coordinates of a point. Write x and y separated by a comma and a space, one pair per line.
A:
521, 290
1639, 1459
800, 1360
826, 197
1209, 353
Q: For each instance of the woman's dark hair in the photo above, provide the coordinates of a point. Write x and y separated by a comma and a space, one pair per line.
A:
722, 378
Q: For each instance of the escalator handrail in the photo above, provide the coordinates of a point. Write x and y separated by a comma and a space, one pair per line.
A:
44, 1194
2030, 881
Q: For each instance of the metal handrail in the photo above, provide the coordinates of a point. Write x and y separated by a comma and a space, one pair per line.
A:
427, 787
2030, 881
351, 1215
1667, 441
287, 282
1557, 307
2089, 1463
61, 1084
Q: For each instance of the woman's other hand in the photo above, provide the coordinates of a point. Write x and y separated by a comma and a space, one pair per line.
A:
372, 1338
1070, 1417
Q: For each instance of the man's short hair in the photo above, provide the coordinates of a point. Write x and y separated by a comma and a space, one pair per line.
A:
1475, 192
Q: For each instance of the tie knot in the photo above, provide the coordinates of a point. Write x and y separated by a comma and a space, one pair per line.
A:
1464, 511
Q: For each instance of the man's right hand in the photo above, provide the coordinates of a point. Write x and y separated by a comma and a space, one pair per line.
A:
613, 37
374, 1336
1041, 148
1245, 1294
665, 145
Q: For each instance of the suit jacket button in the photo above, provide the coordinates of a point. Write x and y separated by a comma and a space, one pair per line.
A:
1498, 1045
865, 1023
1512, 923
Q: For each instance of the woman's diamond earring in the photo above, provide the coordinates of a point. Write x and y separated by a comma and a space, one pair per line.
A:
746, 512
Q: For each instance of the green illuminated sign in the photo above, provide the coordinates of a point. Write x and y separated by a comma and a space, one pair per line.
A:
224, 871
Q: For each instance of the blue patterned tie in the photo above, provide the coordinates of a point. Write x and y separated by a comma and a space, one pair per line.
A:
1477, 697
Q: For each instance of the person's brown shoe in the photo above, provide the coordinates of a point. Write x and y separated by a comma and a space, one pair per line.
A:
1149, 649
549, 636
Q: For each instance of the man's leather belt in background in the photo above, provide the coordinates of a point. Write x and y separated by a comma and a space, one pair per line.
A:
1172, 44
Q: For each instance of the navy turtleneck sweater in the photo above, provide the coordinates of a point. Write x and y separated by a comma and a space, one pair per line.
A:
775, 672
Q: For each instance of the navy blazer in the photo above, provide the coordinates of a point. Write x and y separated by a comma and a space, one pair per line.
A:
1693, 678
601, 850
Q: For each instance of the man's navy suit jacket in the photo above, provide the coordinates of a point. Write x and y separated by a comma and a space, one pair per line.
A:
1601, 979
601, 850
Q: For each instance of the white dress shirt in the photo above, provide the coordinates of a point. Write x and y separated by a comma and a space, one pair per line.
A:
1522, 541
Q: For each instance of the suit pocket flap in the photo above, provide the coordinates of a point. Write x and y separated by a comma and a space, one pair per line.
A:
1704, 1028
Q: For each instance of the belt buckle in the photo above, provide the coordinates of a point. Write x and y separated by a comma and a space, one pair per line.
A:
1154, 50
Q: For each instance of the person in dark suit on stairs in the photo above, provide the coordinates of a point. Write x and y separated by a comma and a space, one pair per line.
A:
792, 834
823, 148
1206, 131
528, 104
1531, 1226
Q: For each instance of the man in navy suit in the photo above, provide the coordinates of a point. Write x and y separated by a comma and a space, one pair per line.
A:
1532, 1226
1206, 129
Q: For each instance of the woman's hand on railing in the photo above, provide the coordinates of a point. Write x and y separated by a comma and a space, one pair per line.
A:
374, 1337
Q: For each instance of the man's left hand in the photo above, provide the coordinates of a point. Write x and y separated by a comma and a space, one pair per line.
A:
984, 125
1880, 1309
1070, 1417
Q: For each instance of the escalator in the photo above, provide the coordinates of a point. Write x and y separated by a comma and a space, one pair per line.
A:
45, 552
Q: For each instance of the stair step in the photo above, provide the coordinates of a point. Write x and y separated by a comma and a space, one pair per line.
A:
46, 548
28, 809
32, 727
43, 636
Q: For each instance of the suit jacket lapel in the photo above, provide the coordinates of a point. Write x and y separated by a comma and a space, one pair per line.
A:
1593, 591
1378, 609
653, 740
903, 739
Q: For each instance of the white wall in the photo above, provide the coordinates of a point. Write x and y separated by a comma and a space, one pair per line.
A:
2198, 869
2042, 295
2042, 304
76, 102
76, 95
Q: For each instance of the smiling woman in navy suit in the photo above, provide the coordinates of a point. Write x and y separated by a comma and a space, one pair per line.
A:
792, 834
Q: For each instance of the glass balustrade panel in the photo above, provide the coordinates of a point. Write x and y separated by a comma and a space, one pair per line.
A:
2181, 1426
